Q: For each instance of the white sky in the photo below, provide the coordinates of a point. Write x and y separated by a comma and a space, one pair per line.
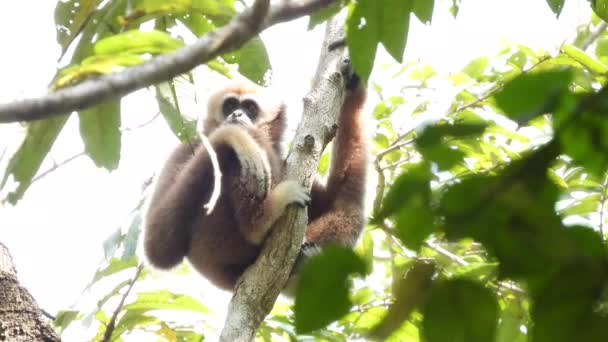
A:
55, 232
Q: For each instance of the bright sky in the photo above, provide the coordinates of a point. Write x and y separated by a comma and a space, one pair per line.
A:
55, 233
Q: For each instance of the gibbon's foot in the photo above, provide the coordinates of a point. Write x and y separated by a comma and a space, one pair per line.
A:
310, 249
307, 250
291, 192
351, 79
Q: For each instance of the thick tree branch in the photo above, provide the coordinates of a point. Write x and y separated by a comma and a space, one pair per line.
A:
258, 288
21, 319
162, 68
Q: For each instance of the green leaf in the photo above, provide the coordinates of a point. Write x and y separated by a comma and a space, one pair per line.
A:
137, 42
563, 309
587, 205
556, 6
415, 222
323, 285
586, 141
114, 266
475, 69
395, 16
410, 294
584, 59
111, 244
168, 104
543, 91
433, 145
100, 132
511, 319
165, 300
25, 163
413, 185
70, 18
460, 310
219, 11
64, 318
363, 32
252, 60
131, 238
130, 320
600, 7
423, 9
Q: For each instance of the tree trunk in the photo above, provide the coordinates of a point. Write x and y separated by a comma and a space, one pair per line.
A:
258, 288
20, 317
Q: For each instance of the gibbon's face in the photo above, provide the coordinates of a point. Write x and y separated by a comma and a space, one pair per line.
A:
239, 111
241, 103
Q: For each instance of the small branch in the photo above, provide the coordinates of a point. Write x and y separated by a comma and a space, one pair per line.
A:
457, 259
142, 125
395, 146
224, 39
594, 36
603, 207
57, 165
257, 290
107, 335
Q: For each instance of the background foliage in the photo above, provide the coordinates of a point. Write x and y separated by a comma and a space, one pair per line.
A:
487, 223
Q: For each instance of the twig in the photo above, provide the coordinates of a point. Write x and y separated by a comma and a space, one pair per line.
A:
394, 147
224, 39
603, 207
107, 335
129, 129
397, 163
56, 166
594, 36
459, 260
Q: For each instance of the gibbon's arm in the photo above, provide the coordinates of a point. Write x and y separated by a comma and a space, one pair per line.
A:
336, 214
257, 206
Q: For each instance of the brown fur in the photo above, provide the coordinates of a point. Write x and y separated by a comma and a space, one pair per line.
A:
223, 244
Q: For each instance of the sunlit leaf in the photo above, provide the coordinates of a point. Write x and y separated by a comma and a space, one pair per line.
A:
135, 41
25, 163
70, 18
600, 7
165, 300
168, 104
100, 132
542, 89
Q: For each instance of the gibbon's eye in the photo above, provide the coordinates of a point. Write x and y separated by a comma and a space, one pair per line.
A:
251, 108
230, 105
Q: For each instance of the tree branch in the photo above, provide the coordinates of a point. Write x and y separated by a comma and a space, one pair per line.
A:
226, 38
107, 335
258, 288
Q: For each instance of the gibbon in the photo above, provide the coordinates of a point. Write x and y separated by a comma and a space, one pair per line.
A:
245, 125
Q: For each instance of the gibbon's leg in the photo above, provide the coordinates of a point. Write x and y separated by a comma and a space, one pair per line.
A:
339, 214
182, 188
185, 185
285, 193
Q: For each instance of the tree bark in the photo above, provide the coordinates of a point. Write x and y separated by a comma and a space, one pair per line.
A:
20, 317
260, 285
